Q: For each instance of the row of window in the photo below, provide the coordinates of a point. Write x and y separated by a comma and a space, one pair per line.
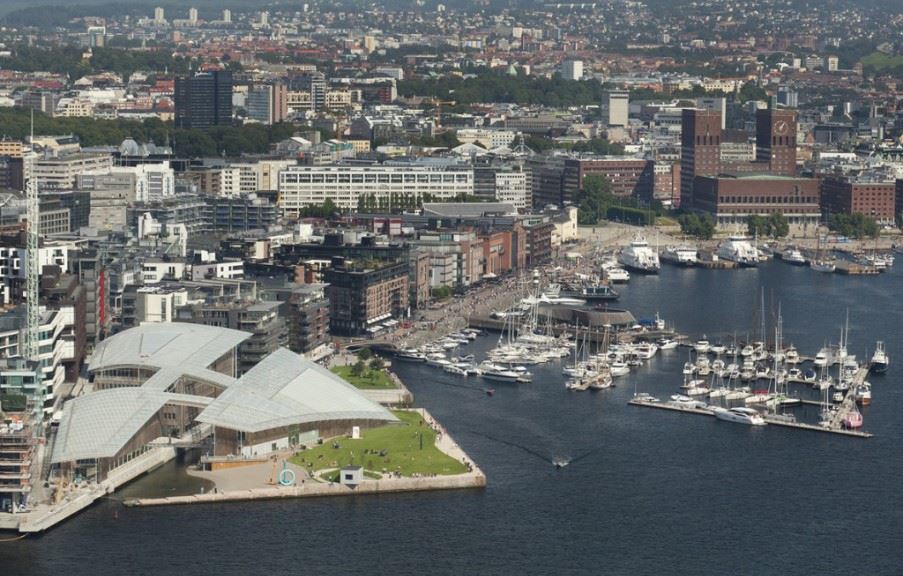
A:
291, 178
768, 200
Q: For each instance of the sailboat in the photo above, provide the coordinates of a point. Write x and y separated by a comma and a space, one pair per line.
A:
779, 397
820, 263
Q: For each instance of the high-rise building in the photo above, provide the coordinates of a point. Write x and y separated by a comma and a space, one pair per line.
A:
159, 15
572, 69
264, 19
314, 84
700, 149
227, 16
267, 103
776, 140
192, 15
204, 99
615, 107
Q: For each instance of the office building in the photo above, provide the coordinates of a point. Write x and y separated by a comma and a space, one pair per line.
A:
873, 196
572, 69
204, 99
364, 296
615, 108
267, 103
345, 186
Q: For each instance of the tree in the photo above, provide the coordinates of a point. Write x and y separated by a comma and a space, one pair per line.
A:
853, 225
358, 368
779, 225
702, 226
376, 365
365, 354
593, 200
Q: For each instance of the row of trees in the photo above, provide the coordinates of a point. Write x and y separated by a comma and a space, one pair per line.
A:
771, 226
854, 225
700, 225
595, 202
216, 141
366, 363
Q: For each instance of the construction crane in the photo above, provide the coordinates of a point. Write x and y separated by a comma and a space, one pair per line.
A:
31, 349
438, 107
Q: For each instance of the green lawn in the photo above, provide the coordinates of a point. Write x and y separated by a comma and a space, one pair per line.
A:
400, 444
371, 380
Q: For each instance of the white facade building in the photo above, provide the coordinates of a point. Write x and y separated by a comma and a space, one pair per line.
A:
486, 138
301, 186
512, 187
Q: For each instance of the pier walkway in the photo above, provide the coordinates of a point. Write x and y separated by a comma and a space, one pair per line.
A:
770, 419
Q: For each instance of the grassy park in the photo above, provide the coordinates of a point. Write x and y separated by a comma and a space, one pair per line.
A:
392, 448
366, 380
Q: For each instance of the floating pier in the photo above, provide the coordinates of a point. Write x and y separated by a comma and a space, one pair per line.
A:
770, 419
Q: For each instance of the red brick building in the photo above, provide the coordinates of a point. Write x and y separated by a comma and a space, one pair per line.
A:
876, 199
730, 199
629, 177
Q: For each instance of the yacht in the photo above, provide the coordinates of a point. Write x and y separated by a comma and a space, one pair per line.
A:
702, 345
741, 415
880, 361
794, 256
681, 255
500, 374
619, 368
667, 344
639, 256
738, 249
410, 355
594, 292
617, 275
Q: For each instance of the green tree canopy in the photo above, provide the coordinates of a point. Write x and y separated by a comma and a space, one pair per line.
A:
700, 225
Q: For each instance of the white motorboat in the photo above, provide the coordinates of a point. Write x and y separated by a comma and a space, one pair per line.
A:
616, 275
640, 257
689, 368
645, 350
717, 348
500, 374
863, 393
794, 256
410, 355
702, 346
791, 356
738, 249
437, 360
821, 359
619, 368
457, 371
681, 255
740, 415
667, 344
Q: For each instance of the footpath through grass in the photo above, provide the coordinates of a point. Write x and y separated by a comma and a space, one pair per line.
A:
369, 380
393, 448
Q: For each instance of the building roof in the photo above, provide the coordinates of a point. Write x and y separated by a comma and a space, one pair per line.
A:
166, 344
100, 424
285, 389
282, 390
468, 209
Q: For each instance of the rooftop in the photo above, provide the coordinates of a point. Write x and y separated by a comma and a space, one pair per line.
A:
284, 389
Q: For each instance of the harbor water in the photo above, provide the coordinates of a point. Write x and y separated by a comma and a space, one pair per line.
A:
644, 491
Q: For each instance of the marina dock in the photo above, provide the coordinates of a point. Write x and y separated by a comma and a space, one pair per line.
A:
834, 428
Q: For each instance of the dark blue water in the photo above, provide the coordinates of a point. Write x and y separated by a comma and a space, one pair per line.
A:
652, 492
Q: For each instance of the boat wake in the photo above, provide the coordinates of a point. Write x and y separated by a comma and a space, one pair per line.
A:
557, 462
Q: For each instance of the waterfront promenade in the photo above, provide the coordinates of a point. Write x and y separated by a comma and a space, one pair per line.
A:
253, 482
